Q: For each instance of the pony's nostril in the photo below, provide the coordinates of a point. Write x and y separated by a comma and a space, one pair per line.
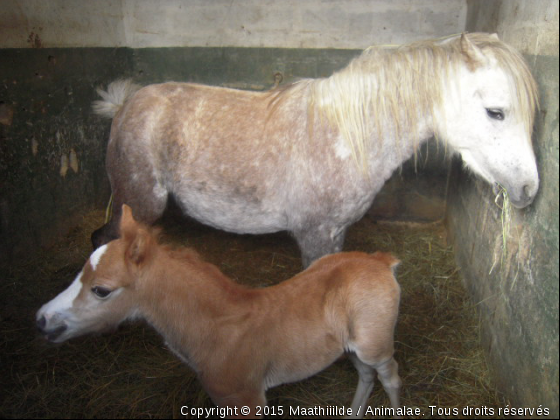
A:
527, 191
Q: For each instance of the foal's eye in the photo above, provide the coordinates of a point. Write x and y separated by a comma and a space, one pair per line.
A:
495, 114
101, 292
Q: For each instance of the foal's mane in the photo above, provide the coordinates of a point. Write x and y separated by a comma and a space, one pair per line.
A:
390, 87
190, 259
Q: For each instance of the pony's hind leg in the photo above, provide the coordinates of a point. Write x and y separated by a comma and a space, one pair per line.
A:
315, 242
144, 195
104, 234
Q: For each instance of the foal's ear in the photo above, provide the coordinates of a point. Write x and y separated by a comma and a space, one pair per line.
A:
138, 249
135, 234
128, 224
473, 55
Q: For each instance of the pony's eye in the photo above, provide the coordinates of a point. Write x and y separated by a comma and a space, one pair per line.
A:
495, 114
101, 292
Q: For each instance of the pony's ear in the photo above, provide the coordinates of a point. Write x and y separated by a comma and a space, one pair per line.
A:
472, 54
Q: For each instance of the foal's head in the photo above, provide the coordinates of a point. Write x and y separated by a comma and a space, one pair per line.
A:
102, 295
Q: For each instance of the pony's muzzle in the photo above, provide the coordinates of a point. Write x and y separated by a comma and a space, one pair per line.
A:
520, 197
528, 194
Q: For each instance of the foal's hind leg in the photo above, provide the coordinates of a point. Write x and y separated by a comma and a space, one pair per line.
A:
387, 372
366, 381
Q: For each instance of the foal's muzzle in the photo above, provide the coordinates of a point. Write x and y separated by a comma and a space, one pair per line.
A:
50, 334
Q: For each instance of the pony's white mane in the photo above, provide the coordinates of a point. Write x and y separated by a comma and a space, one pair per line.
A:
390, 87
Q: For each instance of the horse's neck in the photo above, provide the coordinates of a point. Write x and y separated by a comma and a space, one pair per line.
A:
392, 150
184, 300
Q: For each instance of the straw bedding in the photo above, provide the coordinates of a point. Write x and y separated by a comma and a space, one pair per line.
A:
130, 373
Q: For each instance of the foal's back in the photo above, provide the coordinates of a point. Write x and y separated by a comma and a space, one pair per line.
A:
342, 302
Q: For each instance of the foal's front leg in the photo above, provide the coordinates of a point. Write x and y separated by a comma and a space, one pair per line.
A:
242, 404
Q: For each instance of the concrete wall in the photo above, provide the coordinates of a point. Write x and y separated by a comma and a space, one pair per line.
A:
518, 298
225, 23
51, 146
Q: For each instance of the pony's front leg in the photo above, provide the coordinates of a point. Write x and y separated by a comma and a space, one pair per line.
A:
316, 241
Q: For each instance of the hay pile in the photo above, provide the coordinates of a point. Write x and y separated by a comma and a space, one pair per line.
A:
130, 374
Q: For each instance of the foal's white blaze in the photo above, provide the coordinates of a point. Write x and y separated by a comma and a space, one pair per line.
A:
63, 301
59, 313
96, 256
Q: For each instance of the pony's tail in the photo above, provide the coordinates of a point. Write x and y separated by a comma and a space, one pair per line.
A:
118, 92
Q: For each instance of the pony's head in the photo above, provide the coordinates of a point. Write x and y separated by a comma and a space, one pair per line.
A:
101, 296
487, 114
472, 90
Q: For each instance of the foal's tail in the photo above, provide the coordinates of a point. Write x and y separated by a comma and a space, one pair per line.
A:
118, 92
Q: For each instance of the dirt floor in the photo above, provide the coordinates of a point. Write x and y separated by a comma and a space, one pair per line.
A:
130, 373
